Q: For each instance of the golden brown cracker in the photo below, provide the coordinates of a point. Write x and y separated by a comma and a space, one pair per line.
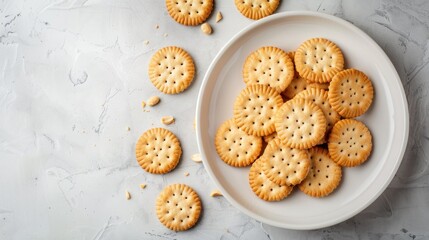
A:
350, 143
178, 207
318, 60
270, 66
235, 147
300, 123
351, 93
324, 176
158, 151
189, 12
254, 109
171, 70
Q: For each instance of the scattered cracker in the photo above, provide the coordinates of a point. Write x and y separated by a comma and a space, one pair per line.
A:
218, 17
171, 70
270, 66
263, 187
127, 195
158, 151
318, 60
178, 207
189, 12
256, 9
254, 109
351, 93
300, 124
165, 35
142, 186
197, 157
216, 193
128, 129
143, 104
146, 42
235, 147
206, 28
167, 120
324, 176
284, 165
350, 143
186, 174
154, 100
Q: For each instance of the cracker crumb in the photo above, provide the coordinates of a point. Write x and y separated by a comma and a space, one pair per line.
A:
143, 104
218, 16
146, 42
186, 174
206, 28
156, 26
216, 193
154, 100
129, 129
142, 186
197, 158
167, 120
165, 35
127, 195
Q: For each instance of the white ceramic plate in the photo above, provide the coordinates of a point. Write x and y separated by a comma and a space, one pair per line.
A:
387, 119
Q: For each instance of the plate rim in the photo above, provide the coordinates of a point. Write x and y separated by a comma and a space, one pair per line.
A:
205, 81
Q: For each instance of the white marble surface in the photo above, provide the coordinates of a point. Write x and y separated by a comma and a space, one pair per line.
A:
73, 74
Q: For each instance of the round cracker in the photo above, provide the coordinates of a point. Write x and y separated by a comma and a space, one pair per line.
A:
284, 165
297, 85
189, 12
324, 176
235, 147
256, 9
178, 207
318, 60
263, 187
171, 70
351, 93
270, 66
300, 124
158, 151
320, 98
350, 143
254, 109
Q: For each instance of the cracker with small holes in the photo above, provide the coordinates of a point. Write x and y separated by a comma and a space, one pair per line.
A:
300, 124
270, 66
297, 85
324, 176
263, 187
318, 60
351, 93
235, 147
284, 165
178, 207
189, 12
158, 151
320, 98
171, 70
270, 137
256, 9
254, 109
350, 143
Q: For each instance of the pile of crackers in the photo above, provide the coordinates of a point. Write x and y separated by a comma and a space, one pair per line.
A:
294, 122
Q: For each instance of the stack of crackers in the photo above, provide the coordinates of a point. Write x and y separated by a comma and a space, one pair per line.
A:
293, 123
